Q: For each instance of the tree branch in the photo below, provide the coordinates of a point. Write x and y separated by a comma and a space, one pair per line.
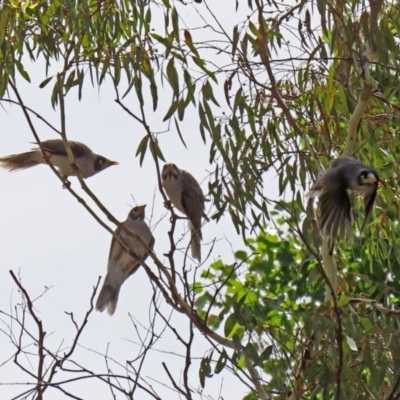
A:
362, 104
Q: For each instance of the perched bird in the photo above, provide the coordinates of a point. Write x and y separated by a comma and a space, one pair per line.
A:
86, 161
336, 212
186, 195
120, 263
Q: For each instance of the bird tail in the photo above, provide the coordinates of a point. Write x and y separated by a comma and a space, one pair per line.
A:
195, 242
108, 297
21, 161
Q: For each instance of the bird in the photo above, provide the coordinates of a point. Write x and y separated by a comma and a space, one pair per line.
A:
87, 162
186, 195
120, 263
332, 187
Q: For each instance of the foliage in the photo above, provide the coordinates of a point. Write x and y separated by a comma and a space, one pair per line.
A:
303, 82
271, 304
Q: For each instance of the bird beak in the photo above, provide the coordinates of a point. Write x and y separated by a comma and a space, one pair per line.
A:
371, 178
113, 162
169, 170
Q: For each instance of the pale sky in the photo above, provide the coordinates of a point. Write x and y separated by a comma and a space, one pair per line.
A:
49, 238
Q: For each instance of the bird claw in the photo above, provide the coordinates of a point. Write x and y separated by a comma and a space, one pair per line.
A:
67, 184
168, 204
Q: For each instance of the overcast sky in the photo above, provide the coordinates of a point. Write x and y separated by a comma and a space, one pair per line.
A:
51, 241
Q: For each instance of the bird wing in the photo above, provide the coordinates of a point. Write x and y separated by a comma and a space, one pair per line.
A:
192, 199
115, 248
335, 208
56, 147
120, 260
368, 200
151, 245
316, 189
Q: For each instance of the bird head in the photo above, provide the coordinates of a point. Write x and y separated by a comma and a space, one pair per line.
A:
138, 212
368, 178
170, 171
102, 163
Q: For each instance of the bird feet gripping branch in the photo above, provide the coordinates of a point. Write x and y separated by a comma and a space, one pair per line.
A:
67, 183
168, 204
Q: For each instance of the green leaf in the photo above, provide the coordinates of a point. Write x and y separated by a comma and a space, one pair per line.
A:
208, 93
154, 94
205, 370
45, 82
142, 148
201, 63
172, 109
179, 132
70, 81
197, 287
22, 71
231, 326
221, 363
175, 23
241, 255
57, 90
254, 30
156, 151
181, 109
266, 354
191, 88
252, 353
173, 78
189, 43
235, 39
138, 87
